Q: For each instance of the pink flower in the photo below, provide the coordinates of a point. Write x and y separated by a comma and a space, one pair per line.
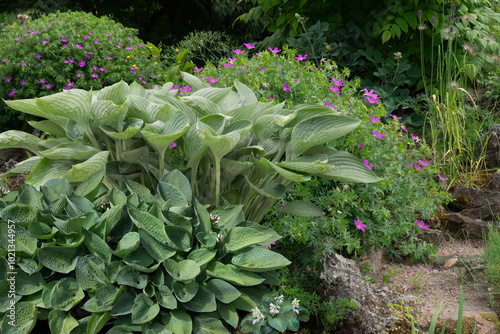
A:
330, 105
378, 135
186, 89
335, 89
421, 225
85, 36
238, 51
413, 136
109, 58
23, 63
175, 87
338, 82
361, 145
45, 42
301, 57
118, 46
423, 163
97, 41
275, 50
212, 80
249, 46
374, 120
172, 145
79, 75
404, 128
394, 116
48, 86
79, 46
443, 178
406, 166
231, 60
272, 243
417, 168
359, 225
371, 96
94, 75
285, 88
196, 69
227, 65
38, 57
130, 48
82, 63
366, 163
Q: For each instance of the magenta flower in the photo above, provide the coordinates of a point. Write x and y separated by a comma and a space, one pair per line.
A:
79, 46
94, 75
130, 38
107, 34
82, 63
196, 69
406, 166
85, 36
335, 89
417, 168
262, 68
301, 57
66, 46
359, 225
249, 46
42, 81
272, 243
118, 46
212, 80
394, 116
378, 135
12, 92
90, 53
404, 128
338, 82
231, 60
413, 136
374, 120
366, 163
4, 60
64, 40
330, 105
228, 65
38, 56
23, 63
130, 48
421, 225
48, 86
424, 163
102, 69
186, 89
109, 58
238, 51
443, 178
22, 82
69, 61
79, 75
97, 41
361, 145
17, 39
275, 50
371, 96
285, 88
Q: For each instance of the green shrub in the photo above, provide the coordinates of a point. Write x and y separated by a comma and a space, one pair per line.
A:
93, 258
70, 50
235, 149
492, 263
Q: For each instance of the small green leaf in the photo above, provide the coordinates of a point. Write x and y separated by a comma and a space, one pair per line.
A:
182, 271
204, 301
278, 323
178, 322
229, 314
207, 325
144, 309
61, 322
97, 321
66, 294
202, 256
131, 277
97, 246
223, 291
386, 36
127, 244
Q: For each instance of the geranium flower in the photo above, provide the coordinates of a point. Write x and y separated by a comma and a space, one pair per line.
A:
238, 51
335, 89
285, 88
23, 63
97, 41
212, 80
301, 57
275, 50
359, 225
361, 145
64, 40
413, 136
417, 168
366, 163
42, 81
45, 42
231, 60
196, 69
186, 89
374, 120
130, 48
379, 135
424, 163
79, 46
38, 56
94, 75
338, 82
48, 86
404, 128
22, 82
330, 105
82, 63
85, 36
421, 225
371, 96
12, 92
272, 243
394, 116
175, 87
249, 46
17, 39
443, 178
172, 145
79, 75
228, 65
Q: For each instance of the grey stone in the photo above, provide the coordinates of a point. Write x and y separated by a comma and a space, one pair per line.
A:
432, 236
495, 181
492, 153
459, 225
343, 279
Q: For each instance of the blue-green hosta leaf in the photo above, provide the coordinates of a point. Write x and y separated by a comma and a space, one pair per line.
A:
223, 291
29, 106
160, 135
267, 125
249, 112
5, 301
213, 94
66, 294
204, 301
172, 194
244, 302
41, 230
306, 111
29, 266
26, 315
97, 321
157, 249
230, 101
90, 186
230, 215
124, 304
61, 322
24, 167
312, 165
143, 192
48, 169
20, 139
131, 277
232, 274
149, 223
207, 325
178, 238
229, 314
278, 323
144, 309
177, 105
259, 259
78, 206
202, 256
232, 168
267, 165
73, 104
154, 328
165, 297
107, 295
343, 166
117, 93
220, 145
161, 111
107, 113
272, 190
247, 96
141, 260
185, 292
182, 271
27, 285
320, 130
136, 89
302, 208
239, 238
88, 275
97, 246
70, 225
202, 105
59, 259
21, 214
138, 108
179, 180
25, 242
50, 127
60, 185
194, 81
81, 171
74, 130
129, 243
178, 322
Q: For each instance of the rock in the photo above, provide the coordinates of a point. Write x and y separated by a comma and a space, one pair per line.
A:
462, 226
342, 279
432, 236
495, 181
450, 263
492, 153
465, 198
374, 260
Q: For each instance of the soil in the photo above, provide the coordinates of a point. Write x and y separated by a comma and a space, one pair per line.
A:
458, 264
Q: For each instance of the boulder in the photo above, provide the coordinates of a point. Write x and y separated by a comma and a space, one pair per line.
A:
459, 225
343, 279
495, 181
465, 198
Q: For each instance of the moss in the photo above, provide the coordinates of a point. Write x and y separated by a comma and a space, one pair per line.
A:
468, 324
491, 318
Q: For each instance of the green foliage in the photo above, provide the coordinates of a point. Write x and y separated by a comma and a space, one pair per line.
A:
92, 257
492, 262
275, 315
235, 149
70, 50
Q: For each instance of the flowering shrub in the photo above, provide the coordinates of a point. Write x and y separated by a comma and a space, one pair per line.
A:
70, 50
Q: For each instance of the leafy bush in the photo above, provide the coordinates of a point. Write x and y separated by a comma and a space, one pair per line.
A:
70, 50
95, 258
235, 149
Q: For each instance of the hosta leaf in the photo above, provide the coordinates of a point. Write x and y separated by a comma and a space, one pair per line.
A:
172, 194
131, 277
108, 294
137, 156
141, 191
73, 104
138, 108
26, 315
117, 93
229, 314
306, 111
185, 292
259, 259
149, 223
124, 304
302, 208
154, 328
127, 244
60, 259
29, 106
283, 172
161, 135
61, 322
25, 242
307, 164
247, 96
97, 321
20, 139
97, 246
204, 301
21, 214
107, 113
208, 325
194, 81
74, 130
88, 275
267, 125
202, 105
320, 130
346, 167
157, 249
223, 291
244, 303
128, 133
219, 145
178, 322
202, 256
66, 294
28, 284
49, 127
42, 231
165, 297
232, 274
214, 94
81, 171
182, 271
78, 206
24, 167
272, 190
278, 323
144, 309
229, 215
176, 178
178, 238
241, 237
90, 186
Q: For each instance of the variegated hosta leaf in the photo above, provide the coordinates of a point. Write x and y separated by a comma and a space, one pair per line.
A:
166, 88
213, 94
73, 104
320, 130
20, 139
194, 81
343, 166
202, 105
79, 172
161, 135
116, 93
50, 127
109, 114
71, 151
247, 96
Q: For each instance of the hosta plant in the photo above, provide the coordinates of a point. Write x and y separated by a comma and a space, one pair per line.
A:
235, 149
94, 260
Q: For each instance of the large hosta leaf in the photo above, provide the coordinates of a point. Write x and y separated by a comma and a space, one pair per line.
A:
182, 271
259, 259
73, 104
109, 114
208, 325
70, 151
60, 259
144, 309
247, 96
81, 171
178, 322
65, 294
204, 301
61, 322
26, 315
20, 139
116, 93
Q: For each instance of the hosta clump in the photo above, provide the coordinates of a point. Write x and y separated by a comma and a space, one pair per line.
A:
139, 263
235, 149
275, 315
